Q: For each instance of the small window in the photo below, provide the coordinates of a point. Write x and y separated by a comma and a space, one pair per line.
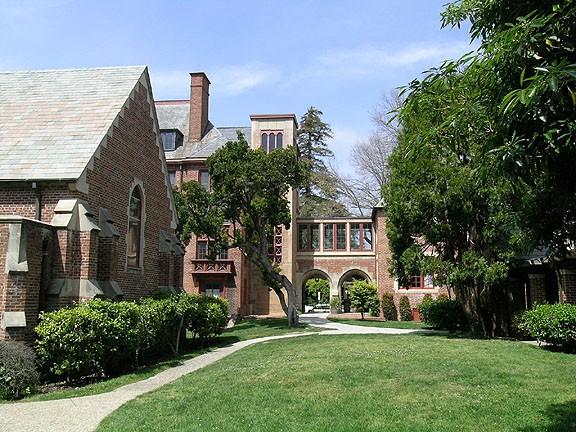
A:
329, 237
265, 142
205, 179
171, 139
172, 176
279, 140
134, 229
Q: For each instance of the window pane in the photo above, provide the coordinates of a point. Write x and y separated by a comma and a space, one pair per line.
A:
279, 140
315, 236
272, 142
302, 237
341, 236
172, 176
329, 237
202, 250
265, 142
367, 236
134, 229
205, 180
169, 140
223, 254
354, 236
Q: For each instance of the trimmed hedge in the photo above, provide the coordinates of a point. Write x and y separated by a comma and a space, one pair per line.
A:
388, 307
18, 374
104, 337
443, 314
405, 309
551, 323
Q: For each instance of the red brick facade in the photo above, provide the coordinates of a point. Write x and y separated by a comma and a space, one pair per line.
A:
79, 250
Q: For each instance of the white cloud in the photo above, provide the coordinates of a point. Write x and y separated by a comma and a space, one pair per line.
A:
225, 81
234, 80
372, 61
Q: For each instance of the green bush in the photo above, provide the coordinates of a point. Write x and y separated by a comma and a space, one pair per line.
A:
443, 314
363, 296
19, 376
100, 336
405, 309
388, 307
551, 323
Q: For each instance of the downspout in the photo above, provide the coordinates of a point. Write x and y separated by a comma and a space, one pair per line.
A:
38, 204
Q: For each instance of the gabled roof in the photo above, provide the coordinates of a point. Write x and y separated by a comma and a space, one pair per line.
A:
176, 115
53, 121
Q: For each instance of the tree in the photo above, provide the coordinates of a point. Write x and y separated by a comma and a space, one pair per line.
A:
527, 66
319, 196
315, 286
444, 218
488, 142
249, 200
363, 296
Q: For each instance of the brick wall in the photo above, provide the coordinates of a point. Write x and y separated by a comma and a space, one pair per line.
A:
24, 291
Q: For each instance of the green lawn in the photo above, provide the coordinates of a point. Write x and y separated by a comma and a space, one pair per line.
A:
367, 383
411, 325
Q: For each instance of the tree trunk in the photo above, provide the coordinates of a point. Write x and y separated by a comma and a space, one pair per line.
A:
475, 308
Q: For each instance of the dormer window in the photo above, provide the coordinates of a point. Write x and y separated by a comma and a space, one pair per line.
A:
171, 139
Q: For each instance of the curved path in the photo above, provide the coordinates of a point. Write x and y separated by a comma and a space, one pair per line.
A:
85, 413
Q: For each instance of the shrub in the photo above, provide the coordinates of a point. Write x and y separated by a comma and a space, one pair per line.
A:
443, 314
19, 376
363, 296
405, 309
107, 337
551, 323
388, 307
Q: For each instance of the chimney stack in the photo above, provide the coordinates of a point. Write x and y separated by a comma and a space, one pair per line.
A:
199, 95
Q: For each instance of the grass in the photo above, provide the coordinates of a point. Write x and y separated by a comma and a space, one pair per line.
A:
411, 325
244, 330
367, 383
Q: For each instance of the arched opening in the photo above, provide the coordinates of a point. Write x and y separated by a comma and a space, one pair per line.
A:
316, 291
346, 281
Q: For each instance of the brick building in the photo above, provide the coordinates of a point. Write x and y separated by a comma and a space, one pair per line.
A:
86, 208
338, 250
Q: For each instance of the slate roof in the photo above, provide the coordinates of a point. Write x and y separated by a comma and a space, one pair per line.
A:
53, 121
176, 115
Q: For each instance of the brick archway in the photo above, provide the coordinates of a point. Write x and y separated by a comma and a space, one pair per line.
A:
313, 274
347, 278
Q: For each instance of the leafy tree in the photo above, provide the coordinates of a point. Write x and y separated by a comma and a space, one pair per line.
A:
319, 195
487, 142
363, 296
249, 199
526, 75
315, 286
444, 218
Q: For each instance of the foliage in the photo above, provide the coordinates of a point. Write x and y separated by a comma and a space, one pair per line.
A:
251, 191
525, 73
319, 194
313, 286
551, 323
19, 376
443, 314
100, 336
388, 307
405, 309
363, 296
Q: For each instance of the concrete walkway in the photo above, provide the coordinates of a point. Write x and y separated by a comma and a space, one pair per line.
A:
85, 413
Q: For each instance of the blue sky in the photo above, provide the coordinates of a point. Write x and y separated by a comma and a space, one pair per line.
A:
261, 56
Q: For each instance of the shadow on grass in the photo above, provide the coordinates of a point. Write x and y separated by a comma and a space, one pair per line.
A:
556, 418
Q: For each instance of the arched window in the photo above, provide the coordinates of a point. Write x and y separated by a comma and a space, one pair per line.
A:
265, 142
133, 251
279, 140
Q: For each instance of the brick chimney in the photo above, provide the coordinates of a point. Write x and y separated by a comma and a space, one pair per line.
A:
199, 95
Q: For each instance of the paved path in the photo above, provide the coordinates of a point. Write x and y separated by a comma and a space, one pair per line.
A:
85, 413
